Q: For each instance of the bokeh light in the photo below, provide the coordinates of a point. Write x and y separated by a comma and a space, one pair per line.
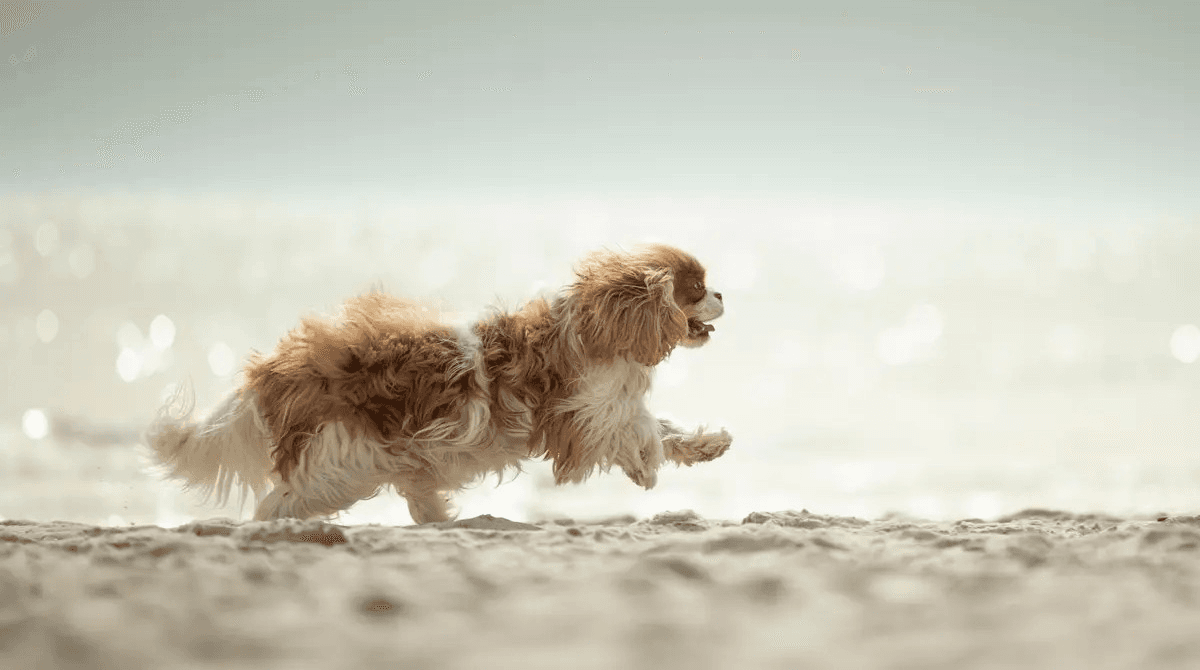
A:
162, 332
35, 424
129, 364
221, 359
1185, 343
142, 356
82, 261
47, 326
46, 239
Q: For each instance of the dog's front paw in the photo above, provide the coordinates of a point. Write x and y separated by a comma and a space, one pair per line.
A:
452, 508
713, 445
432, 507
700, 448
642, 477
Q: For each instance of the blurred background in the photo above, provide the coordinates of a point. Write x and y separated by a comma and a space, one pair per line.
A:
959, 247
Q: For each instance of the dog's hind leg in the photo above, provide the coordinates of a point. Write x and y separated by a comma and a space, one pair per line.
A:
278, 504
335, 471
302, 500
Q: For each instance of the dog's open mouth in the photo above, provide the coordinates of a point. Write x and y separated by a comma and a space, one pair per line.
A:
697, 328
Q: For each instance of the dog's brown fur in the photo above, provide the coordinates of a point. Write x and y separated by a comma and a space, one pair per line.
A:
386, 394
385, 368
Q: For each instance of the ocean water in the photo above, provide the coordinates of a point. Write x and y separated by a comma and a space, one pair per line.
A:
927, 360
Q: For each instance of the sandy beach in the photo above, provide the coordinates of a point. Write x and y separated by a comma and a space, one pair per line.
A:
1039, 589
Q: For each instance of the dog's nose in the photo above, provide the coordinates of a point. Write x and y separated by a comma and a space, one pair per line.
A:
717, 296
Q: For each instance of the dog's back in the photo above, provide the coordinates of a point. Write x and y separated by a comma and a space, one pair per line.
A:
386, 368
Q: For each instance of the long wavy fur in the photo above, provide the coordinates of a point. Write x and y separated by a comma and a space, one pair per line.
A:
386, 394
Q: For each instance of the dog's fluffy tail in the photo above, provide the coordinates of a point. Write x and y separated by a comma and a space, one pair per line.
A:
230, 447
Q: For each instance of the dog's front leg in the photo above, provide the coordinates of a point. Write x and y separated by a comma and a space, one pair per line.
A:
689, 448
426, 504
643, 455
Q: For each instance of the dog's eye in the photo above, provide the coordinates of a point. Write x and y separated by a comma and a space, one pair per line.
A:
698, 286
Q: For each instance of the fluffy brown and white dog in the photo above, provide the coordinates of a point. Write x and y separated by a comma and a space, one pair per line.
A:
386, 395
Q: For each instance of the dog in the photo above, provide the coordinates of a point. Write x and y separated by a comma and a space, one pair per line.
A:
386, 394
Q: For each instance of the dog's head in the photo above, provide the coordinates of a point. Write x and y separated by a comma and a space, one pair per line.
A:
641, 304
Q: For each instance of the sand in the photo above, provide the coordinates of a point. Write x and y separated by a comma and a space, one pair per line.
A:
1040, 589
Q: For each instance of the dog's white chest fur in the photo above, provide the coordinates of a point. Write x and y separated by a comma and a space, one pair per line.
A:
615, 425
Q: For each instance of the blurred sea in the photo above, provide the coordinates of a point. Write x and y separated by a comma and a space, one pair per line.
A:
905, 358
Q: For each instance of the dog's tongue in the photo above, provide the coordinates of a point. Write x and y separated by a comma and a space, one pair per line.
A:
699, 327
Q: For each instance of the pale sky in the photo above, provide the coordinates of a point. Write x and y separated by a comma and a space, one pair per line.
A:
858, 101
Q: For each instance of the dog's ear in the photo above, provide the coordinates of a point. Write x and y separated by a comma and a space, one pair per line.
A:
626, 308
